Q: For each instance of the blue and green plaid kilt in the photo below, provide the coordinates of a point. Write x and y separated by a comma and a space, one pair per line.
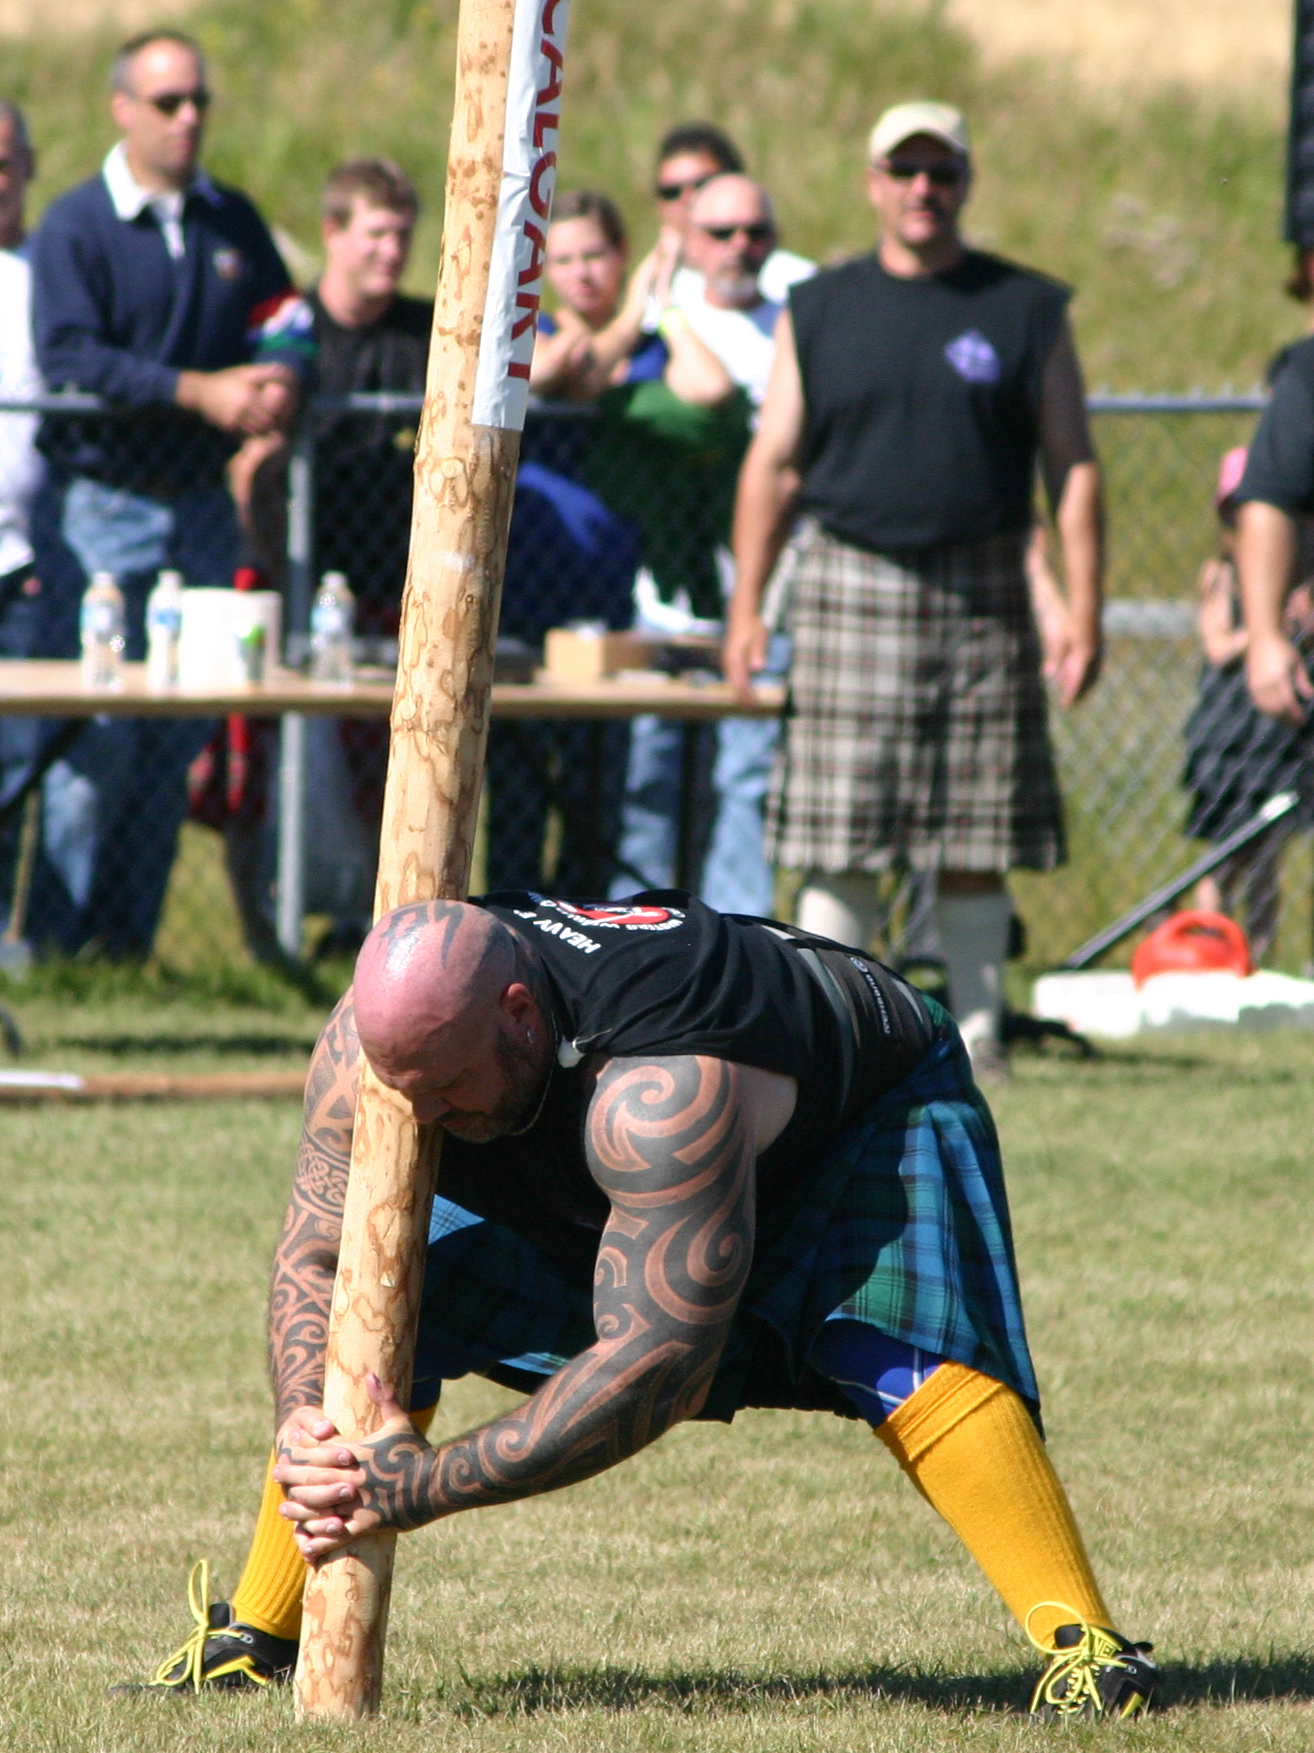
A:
903, 1225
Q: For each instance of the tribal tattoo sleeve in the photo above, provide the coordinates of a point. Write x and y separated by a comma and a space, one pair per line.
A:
307, 1256
668, 1144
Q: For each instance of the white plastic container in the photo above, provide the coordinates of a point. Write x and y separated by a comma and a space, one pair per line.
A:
163, 630
215, 628
102, 633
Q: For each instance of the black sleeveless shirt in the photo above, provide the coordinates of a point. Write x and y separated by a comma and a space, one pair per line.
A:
661, 974
922, 399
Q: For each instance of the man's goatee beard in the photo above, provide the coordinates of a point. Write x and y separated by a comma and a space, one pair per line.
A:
736, 288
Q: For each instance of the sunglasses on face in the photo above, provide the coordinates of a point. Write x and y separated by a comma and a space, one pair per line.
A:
168, 103
761, 232
677, 191
940, 175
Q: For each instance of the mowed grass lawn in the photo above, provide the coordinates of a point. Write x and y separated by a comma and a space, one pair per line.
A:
770, 1587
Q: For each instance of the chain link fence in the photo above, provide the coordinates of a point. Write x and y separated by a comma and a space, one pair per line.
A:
184, 853
92, 808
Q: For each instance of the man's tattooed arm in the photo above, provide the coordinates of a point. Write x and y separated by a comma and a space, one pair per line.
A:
307, 1256
669, 1143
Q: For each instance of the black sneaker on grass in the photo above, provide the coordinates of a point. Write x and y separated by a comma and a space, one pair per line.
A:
221, 1655
1095, 1673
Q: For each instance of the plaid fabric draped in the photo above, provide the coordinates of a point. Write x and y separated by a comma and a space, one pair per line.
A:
904, 1225
917, 731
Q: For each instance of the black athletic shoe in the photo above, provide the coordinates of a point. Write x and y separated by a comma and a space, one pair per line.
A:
221, 1654
1095, 1673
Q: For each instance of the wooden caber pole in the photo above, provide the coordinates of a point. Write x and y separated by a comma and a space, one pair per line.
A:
500, 176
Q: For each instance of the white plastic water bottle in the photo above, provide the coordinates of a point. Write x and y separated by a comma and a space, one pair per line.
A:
332, 623
163, 630
102, 633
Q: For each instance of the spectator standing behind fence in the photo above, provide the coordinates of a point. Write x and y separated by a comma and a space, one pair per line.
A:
369, 338
1237, 756
728, 235
156, 288
595, 498
569, 557
910, 394
20, 463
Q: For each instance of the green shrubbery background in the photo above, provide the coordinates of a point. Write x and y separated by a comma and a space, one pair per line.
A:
1162, 210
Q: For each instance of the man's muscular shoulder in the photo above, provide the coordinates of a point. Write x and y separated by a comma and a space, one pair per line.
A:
640, 1106
658, 1096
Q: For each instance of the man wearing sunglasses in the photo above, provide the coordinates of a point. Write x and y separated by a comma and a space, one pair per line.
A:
163, 292
689, 156
728, 236
912, 392
731, 234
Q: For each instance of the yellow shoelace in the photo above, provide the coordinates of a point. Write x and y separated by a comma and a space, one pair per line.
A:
189, 1657
1071, 1681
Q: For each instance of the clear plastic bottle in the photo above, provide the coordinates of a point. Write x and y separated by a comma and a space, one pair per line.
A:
102, 633
332, 624
163, 630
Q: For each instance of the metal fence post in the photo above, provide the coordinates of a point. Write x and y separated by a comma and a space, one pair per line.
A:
300, 544
291, 831
292, 730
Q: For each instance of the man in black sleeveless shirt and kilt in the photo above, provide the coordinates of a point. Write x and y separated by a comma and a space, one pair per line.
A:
913, 391
692, 1162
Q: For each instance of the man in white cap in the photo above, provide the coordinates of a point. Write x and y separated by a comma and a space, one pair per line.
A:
911, 393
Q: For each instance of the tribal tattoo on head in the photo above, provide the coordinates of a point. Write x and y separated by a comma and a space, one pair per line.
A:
667, 1142
307, 1255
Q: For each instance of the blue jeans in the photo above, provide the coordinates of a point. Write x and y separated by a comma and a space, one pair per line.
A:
112, 808
20, 738
735, 877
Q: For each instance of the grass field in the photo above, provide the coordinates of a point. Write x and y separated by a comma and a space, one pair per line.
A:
772, 1587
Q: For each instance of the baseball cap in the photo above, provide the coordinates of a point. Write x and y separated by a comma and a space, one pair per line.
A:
1230, 471
940, 120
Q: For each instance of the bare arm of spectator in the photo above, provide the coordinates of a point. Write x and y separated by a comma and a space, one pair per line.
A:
563, 362
693, 372
246, 464
1265, 560
1048, 604
247, 399
1072, 481
1222, 642
650, 283
768, 486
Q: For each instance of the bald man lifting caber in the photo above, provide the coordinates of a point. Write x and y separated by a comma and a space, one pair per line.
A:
692, 1163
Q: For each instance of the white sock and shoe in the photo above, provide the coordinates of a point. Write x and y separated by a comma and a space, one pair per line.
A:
973, 930
841, 905
974, 938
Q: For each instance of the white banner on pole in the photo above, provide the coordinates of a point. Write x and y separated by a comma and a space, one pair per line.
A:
529, 174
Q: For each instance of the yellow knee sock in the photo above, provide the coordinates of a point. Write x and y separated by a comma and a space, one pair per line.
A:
969, 1446
269, 1594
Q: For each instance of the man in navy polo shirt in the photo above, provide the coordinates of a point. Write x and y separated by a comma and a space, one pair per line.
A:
158, 289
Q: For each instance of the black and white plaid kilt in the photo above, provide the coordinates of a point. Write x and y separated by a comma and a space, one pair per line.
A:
917, 719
